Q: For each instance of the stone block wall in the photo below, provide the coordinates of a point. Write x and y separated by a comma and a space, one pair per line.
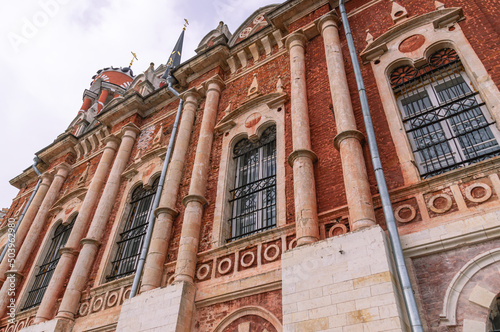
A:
341, 284
157, 310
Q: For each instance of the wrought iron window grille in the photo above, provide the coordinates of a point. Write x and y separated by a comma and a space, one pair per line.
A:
49, 263
131, 239
446, 121
253, 199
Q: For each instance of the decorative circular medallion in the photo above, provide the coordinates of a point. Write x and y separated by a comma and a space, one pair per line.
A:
440, 203
405, 213
271, 252
225, 266
478, 192
112, 299
337, 229
412, 43
292, 244
247, 259
84, 309
126, 294
97, 305
203, 271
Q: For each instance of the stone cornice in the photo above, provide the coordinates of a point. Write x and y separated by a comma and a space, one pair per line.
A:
27, 175
439, 18
290, 11
62, 145
122, 107
212, 58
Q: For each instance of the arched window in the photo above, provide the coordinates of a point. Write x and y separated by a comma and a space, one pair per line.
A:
254, 197
49, 263
446, 120
130, 240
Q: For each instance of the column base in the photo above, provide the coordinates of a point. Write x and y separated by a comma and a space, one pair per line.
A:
335, 286
54, 325
362, 223
163, 309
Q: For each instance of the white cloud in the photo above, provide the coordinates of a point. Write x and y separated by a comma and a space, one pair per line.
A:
44, 75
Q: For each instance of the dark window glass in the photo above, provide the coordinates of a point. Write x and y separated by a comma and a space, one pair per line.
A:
254, 197
49, 263
132, 237
445, 119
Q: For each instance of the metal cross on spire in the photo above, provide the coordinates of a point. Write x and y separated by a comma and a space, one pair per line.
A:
134, 57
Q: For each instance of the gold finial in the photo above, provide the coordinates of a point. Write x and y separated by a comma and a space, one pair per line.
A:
186, 23
134, 56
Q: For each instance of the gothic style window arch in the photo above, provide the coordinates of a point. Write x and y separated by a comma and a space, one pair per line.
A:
130, 240
48, 265
253, 198
445, 119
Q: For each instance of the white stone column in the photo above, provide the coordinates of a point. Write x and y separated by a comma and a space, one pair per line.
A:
27, 220
91, 243
195, 200
348, 139
70, 251
33, 235
302, 157
166, 212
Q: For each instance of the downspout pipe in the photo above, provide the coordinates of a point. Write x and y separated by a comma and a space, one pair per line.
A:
151, 217
36, 161
404, 278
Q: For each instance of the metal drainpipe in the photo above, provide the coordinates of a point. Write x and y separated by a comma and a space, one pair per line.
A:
151, 217
409, 298
36, 160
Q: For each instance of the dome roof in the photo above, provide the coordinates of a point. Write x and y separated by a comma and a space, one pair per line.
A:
122, 76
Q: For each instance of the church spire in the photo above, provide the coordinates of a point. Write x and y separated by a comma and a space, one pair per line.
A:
175, 57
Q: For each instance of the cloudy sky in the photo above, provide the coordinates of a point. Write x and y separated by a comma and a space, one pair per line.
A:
50, 49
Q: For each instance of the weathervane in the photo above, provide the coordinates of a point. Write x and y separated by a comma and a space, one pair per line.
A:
134, 56
186, 23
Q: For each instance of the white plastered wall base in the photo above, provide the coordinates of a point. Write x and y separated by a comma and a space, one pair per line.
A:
331, 285
54, 325
160, 309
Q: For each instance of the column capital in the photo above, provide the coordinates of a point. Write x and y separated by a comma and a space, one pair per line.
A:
112, 142
297, 38
17, 275
166, 210
68, 251
214, 83
46, 178
90, 241
329, 19
62, 169
302, 153
191, 96
194, 198
131, 130
347, 134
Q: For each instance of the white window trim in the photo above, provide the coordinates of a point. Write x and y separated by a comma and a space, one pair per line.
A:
233, 131
391, 57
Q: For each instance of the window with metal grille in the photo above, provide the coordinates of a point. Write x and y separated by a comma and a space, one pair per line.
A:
132, 237
446, 121
49, 263
254, 197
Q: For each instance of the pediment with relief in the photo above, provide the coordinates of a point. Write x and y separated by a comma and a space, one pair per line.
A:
272, 100
439, 18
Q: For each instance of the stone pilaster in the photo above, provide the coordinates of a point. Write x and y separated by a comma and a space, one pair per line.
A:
348, 139
70, 252
90, 244
302, 157
28, 220
34, 232
166, 213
